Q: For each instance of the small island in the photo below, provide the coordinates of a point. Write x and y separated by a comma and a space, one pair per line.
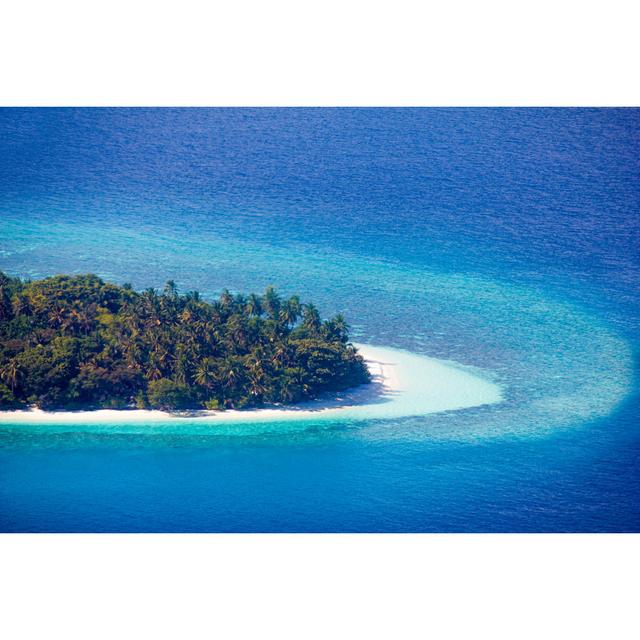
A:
79, 343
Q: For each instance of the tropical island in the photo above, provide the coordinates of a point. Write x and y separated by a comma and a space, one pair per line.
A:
79, 343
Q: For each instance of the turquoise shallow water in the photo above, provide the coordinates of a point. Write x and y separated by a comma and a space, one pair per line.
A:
504, 240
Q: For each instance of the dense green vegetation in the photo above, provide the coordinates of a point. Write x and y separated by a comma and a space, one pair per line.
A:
76, 342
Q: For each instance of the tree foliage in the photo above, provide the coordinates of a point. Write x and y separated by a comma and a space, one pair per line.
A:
78, 342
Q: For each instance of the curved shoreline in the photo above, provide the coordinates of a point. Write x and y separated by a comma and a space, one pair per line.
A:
404, 384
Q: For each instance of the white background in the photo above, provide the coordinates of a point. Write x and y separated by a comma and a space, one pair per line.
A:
319, 53
325, 53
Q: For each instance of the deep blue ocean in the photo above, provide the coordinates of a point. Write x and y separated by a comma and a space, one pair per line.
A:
502, 239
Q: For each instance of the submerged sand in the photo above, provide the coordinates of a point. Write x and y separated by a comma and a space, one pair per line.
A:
403, 384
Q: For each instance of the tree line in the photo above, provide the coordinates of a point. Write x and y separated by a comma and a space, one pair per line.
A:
77, 342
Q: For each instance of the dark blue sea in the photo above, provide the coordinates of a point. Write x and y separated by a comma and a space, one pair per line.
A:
507, 240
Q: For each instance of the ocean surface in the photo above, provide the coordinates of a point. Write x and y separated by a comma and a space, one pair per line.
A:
505, 240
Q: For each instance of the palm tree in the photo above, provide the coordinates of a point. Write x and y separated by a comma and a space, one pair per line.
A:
21, 305
10, 373
226, 299
337, 328
311, 318
257, 374
205, 373
230, 372
83, 320
281, 354
5, 300
132, 353
58, 317
150, 295
271, 302
254, 305
257, 379
171, 289
154, 370
181, 366
290, 311
217, 310
288, 390
150, 307
237, 331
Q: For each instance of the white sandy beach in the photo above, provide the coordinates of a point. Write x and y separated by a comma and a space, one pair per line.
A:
404, 384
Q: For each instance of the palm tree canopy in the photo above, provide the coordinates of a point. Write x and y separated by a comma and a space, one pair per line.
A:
78, 342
